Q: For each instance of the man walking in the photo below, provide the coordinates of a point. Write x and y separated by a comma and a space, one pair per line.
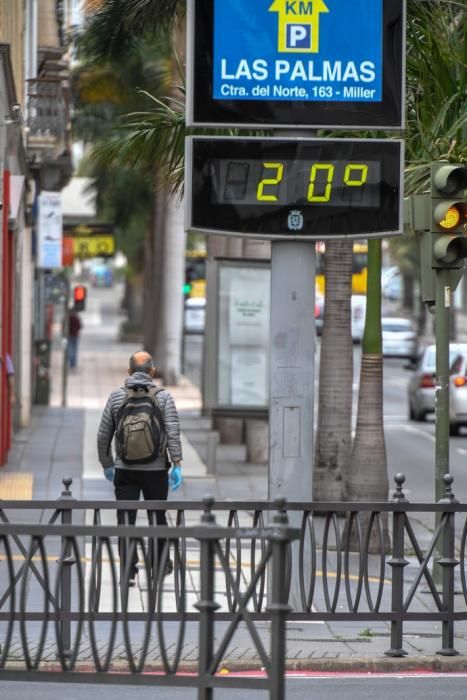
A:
74, 328
143, 420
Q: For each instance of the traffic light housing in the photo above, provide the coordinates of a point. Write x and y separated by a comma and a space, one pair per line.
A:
79, 298
448, 214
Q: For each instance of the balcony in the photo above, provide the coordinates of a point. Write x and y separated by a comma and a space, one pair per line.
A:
48, 134
46, 111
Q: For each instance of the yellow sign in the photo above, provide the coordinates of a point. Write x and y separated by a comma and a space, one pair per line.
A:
299, 24
93, 246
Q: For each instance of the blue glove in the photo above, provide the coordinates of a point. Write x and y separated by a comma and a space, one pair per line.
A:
109, 474
175, 478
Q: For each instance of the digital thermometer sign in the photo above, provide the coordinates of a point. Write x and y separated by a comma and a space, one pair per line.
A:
286, 188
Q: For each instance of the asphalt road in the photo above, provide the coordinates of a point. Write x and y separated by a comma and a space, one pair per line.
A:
410, 446
336, 688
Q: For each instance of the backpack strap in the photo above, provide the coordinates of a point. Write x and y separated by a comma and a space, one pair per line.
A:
153, 392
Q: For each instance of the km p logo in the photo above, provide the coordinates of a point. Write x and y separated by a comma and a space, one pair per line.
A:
298, 24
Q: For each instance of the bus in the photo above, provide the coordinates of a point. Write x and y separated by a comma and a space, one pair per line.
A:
195, 274
195, 270
359, 267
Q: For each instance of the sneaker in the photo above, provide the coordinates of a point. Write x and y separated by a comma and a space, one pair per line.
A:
169, 567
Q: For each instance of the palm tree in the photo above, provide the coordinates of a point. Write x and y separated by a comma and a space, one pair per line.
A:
334, 436
368, 477
101, 94
436, 105
436, 116
135, 66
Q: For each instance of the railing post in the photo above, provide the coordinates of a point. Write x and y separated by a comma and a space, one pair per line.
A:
280, 539
448, 562
398, 564
206, 605
66, 561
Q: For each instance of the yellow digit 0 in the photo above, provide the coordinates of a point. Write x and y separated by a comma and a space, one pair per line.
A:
260, 196
359, 168
325, 167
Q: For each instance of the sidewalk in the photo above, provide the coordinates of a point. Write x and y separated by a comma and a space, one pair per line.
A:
61, 442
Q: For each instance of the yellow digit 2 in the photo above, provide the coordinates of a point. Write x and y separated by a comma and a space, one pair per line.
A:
359, 171
279, 168
326, 196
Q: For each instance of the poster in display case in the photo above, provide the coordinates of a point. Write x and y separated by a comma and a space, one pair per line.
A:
243, 335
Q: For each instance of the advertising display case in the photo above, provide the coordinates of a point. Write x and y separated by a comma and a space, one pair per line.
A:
237, 346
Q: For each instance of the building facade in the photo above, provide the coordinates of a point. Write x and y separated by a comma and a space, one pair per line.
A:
35, 155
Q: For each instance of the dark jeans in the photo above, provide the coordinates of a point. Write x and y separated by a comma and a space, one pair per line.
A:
73, 351
129, 485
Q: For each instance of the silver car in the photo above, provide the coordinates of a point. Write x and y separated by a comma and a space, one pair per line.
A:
195, 315
458, 393
399, 338
422, 386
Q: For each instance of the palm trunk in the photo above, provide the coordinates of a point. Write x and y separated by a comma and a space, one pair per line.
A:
333, 439
172, 279
159, 278
368, 478
150, 308
171, 261
133, 296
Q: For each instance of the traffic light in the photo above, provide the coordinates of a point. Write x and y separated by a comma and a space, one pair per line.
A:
449, 214
79, 298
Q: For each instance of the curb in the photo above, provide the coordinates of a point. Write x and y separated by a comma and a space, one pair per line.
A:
357, 664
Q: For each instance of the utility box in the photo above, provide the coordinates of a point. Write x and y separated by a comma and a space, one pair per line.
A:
42, 372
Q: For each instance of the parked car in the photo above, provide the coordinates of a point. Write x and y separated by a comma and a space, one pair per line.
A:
195, 315
422, 385
358, 308
458, 393
399, 338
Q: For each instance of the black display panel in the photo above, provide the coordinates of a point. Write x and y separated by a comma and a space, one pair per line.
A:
282, 188
218, 93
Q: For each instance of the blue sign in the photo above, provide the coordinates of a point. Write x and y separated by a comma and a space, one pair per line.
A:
298, 50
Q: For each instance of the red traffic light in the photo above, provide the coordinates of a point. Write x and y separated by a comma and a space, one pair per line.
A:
79, 293
79, 297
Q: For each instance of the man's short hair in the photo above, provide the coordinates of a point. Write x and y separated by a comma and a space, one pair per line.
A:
145, 367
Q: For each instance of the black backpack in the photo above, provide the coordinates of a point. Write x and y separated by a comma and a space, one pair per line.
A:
140, 433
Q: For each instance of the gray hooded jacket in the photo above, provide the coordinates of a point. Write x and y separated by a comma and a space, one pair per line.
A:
108, 425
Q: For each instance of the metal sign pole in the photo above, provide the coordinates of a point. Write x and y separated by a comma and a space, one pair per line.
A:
292, 378
292, 350
66, 335
443, 303
291, 370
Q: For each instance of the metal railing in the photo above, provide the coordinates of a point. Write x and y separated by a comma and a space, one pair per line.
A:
47, 111
76, 598
351, 561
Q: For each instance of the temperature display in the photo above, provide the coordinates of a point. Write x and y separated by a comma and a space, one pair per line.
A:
294, 187
332, 183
